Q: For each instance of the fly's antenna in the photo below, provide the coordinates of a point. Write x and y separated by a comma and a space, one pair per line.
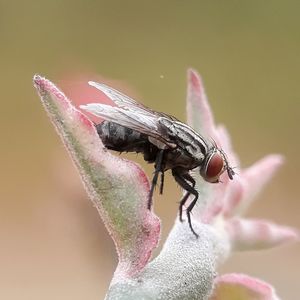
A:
235, 173
228, 168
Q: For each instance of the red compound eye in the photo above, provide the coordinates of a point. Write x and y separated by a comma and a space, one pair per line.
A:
214, 167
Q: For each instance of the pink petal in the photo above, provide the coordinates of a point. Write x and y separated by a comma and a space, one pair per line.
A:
249, 182
248, 234
242, 287
118, 188
199, 114
259, 174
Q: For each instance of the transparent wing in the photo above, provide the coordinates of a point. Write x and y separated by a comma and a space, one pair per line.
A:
126, 102
139, 121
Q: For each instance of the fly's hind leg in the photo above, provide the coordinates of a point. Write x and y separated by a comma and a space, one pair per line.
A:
189, 178
162, 180
182, 202
158, 168
183, 179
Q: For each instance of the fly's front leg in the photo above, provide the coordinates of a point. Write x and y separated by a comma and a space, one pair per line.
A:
158, 168
183, 180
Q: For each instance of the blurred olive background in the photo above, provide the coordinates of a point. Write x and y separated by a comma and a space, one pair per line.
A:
53, 244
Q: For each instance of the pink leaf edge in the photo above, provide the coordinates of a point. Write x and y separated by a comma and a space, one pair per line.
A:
260, 173
199, 113
251, 234
242, 287
249, 182
135, 232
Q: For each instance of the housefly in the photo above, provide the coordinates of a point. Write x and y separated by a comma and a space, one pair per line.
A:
163, 140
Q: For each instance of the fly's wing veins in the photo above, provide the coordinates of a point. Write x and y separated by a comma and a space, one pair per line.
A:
132, 114
126, 102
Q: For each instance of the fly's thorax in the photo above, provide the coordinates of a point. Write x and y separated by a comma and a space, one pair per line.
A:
174, 158
185, 138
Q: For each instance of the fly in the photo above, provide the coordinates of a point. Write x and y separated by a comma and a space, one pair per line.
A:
163, 140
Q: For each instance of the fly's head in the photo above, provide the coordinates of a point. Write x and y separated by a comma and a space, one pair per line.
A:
214, 165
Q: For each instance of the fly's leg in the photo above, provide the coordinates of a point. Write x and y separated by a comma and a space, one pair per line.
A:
162, 180
182, 180
158, 168
189, 178
181, 204
188, 213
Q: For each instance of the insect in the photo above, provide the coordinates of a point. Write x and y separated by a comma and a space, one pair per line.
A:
163, 140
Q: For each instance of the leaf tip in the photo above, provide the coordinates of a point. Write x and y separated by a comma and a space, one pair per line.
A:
195, 79
38, 81
36, 78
